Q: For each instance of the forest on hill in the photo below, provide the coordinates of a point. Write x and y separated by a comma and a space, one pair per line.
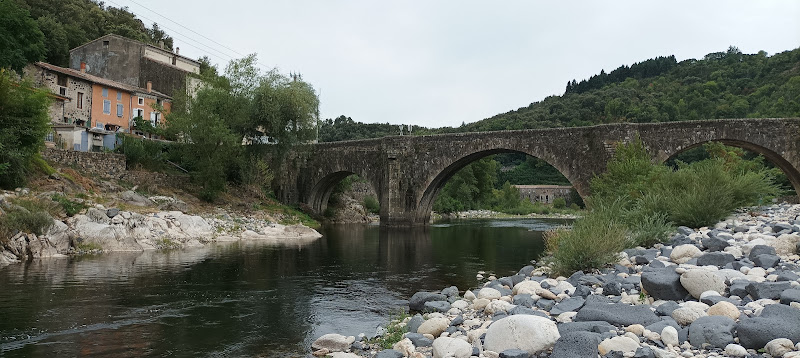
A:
726, 84
67, 24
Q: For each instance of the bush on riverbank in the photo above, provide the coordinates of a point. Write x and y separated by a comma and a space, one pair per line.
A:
30, 216
637, 203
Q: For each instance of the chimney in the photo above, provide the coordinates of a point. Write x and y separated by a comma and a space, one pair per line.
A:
161, 44
149, 86
83, 67
177, 50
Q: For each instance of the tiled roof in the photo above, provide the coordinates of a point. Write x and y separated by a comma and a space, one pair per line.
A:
99, 80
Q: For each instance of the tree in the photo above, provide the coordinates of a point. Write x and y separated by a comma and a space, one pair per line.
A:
21, 41
23, 125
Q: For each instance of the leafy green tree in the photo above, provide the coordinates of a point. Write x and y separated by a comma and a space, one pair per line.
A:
21, 41
24, 122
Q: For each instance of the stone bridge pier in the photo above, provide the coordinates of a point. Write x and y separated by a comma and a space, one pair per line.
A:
407, 172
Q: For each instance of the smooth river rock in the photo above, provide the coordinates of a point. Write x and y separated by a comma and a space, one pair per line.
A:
697, 281
532, 334
446, 347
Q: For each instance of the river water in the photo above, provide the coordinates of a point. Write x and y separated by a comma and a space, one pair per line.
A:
247, 298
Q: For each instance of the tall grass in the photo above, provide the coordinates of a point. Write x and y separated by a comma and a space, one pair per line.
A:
30, 216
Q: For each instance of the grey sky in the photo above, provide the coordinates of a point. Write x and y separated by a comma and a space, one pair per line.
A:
441, 63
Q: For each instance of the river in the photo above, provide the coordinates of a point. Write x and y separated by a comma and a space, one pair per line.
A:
247, 298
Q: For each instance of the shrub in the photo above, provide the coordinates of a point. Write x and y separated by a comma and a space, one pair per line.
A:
559, 203
70, 207
26, 216
145, 153
371, 204
593, 242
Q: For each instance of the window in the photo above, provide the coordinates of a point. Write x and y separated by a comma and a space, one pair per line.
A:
119, 96
62, 80
141, 101
106, 106
120, 109
105, 92
105, 45
80, 100
62, 91
153, 118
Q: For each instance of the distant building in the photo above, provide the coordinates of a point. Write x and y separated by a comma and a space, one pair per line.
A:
90, 110
544, 193
136, 63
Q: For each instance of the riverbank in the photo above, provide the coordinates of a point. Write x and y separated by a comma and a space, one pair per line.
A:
732, 290
489, 214
78, 215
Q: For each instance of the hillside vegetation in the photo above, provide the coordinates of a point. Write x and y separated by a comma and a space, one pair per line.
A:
726, 84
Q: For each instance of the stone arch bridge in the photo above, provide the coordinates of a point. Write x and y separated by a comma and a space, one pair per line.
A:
407, 172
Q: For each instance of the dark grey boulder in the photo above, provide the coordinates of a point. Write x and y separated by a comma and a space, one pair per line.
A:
525, 310
523, 300
766, 260
617, 314
572, 304
517, 279
712, 300
576, 344
526, 271
741, 228
436, 306
545, 304
771, 290
663, 284
760, 250
666, 308
514, 353
589, 326
506, 281
414, 323
680, 239
683, 333
419, 340
450, 291
457, 321
612, 288
589, 280
739, 288
719, 259
787, 276
775, 321
715, 244
389, 353
685, 230
614, 354
644, 352
111, 213
714, 330
778, 227
417, 301
657, 264
790, 296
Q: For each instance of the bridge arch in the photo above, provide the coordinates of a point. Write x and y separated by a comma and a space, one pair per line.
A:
321, 190
778, 160
440, 177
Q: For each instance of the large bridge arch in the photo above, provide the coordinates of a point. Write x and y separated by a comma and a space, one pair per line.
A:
776, 159
438, 177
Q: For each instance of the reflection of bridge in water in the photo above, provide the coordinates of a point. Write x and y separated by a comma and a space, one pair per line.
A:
408, 171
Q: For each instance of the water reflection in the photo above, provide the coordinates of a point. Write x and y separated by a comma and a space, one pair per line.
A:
246, 298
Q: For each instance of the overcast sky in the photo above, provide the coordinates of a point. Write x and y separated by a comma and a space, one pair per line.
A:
441, 63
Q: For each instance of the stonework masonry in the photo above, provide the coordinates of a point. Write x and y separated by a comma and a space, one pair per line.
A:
103, 164
407, 172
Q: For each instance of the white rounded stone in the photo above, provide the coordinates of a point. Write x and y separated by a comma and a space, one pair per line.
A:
735, 350
669, 335
620, 344
489, 293
529, 333
697, 281
445, 347
434, 326
683, 253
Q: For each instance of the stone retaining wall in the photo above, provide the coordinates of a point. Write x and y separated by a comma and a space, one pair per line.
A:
104, 164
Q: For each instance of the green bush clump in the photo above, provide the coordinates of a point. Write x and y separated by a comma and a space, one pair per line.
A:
26, 216
70, 207
371, 204
559, 203
593, 242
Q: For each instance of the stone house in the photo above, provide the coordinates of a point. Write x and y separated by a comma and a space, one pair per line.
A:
544, 193
136, 63
94, 109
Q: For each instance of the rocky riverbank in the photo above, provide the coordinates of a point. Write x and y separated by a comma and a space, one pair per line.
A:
158, 222
489, 214
728, 291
